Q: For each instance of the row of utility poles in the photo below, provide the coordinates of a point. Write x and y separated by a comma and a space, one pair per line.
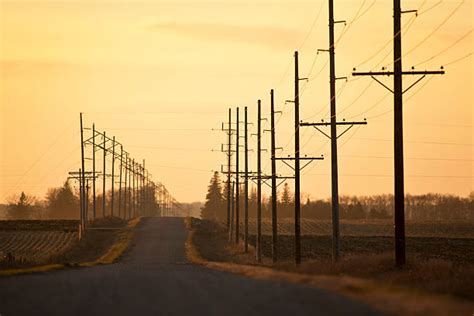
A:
137, 194
294, 162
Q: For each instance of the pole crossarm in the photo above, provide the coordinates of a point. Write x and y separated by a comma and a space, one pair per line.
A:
423, 74
349, 124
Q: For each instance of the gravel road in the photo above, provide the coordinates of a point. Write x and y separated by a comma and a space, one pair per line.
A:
154, 278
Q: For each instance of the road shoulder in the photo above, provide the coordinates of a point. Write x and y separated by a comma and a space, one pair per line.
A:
389, 299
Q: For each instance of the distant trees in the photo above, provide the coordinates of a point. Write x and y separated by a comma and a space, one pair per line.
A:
214, 207
62, 202
24, 207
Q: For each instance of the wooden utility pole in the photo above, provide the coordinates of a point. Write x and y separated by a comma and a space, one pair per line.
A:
232, 207
113, 179
82, 179
237, 176
81, 200
125, 193
246, 185
134, 199
229, 156
333, 136
398, 91
120, 182
259, 182
274, 176
94, 214
334, 169
297, 165
104, 175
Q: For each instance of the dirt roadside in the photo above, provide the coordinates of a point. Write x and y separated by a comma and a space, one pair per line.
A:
207, 245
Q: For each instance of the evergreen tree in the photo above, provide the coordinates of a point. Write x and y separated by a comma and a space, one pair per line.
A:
62, 202
22, 208
214, 207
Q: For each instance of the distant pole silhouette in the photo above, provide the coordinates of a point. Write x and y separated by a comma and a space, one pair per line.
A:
93, 174
237, 176
125, 183
231, 228
229, 156
259, 183
274, 175
120, 183
104, 175
246, 185
82, 179
113, 178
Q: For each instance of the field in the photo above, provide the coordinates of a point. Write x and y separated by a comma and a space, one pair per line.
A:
36, 241
371, 227
439, 256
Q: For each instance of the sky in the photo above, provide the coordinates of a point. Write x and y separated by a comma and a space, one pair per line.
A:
160, 76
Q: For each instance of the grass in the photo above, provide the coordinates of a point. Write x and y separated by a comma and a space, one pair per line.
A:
425, 286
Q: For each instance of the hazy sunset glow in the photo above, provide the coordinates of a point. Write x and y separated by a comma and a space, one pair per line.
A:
160, 75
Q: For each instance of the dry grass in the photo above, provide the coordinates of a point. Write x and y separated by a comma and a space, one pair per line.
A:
433, 286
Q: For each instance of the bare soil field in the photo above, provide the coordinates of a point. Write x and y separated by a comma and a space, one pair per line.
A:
34, 242
369, 227
434, 264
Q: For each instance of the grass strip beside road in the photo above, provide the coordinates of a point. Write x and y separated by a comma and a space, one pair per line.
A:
385, 297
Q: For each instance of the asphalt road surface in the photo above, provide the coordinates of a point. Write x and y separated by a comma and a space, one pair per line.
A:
154, 278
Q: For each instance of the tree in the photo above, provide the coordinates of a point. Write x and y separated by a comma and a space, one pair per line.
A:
286, 201
214, 207
62, 202
23, 207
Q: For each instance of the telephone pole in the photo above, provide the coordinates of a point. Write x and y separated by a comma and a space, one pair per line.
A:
229, 156
120, 182
297, 167
104, 175
113, 179
246, 184
259, 182
82, 178
237, 176
333, 136
398, 91
274, 175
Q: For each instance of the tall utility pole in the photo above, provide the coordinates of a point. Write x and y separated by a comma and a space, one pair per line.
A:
232, 208
229, 156
93, 173
82, 179
144, 189
113, 178
246, 185
297, 165
333, 136
104, 175
237, 176
274, 175
398, 91
334, 169
125, 193
133, 188
130, 188
120, 182
259, 182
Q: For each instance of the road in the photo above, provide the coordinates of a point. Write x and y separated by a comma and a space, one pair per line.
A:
154, 278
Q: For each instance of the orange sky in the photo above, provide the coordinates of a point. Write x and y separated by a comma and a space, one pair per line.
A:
160, 75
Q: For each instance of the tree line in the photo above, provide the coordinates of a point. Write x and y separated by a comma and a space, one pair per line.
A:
63, 203
425, 207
